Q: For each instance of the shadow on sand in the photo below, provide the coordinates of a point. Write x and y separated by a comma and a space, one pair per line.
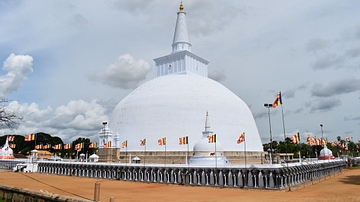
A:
352, 179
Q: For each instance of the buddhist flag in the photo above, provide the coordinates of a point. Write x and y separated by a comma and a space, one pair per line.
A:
308, 140
323, 142
12, 146
93, 145
79, 146
39, 146
162, 141
212, 138
107, 144
67, 146
11, 138
124, 144
241, 138
180, 141
29, 137
296, 138
46, 146
277, 101
143, 142
183, 140
57, 147
347, 139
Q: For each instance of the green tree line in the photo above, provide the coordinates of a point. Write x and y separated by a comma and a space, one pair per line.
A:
23, 147
313, 151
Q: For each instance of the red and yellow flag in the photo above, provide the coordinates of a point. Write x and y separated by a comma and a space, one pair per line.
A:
143, 142
241, 138
162, 141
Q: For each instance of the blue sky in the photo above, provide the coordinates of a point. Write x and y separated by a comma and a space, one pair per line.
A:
66, 64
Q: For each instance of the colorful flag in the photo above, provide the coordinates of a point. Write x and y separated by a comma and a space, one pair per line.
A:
277, 101
296, 138
143, 142
46, 146
183, 140
93, 145
162, 141
39, 146
11, 138
12, 146
79, 146
308, 140
29, 137
347, 139
57, 147
107, 144
241, 138
124, 144
212, 138
67, 146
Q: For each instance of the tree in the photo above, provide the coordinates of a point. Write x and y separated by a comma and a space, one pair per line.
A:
7, 116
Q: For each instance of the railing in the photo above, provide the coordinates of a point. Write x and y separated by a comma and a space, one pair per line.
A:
276, 176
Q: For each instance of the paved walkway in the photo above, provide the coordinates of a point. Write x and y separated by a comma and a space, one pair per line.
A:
343, 186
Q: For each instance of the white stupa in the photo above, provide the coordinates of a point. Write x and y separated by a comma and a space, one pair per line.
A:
326, 154
6, 152
173, 104
208, 153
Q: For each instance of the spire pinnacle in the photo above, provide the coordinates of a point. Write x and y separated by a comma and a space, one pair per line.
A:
181, 8
207, 121
181, 39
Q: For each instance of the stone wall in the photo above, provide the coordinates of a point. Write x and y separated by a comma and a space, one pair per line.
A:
14, 194
179, 157
109, 154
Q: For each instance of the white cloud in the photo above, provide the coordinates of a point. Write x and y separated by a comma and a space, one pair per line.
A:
125, 73
336, 87
17, 66
267, 45
314, 45
67, 121
328, 60
326, 104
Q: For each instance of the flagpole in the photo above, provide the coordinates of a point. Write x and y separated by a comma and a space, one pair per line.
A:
126, 153
287, 157
187, 152
215, 151
145, 151
245, 148
165, 149
35, 139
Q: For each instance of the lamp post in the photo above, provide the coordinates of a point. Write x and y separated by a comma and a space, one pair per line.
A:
105, 141
268, 106
322, 133
104, 130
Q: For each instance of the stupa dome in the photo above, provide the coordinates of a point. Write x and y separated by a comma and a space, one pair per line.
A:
6, 152
173, 106
326, 154
204, 148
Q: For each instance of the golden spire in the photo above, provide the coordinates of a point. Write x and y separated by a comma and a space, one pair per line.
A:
181, 7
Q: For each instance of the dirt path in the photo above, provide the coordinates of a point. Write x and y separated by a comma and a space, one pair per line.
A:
344, 186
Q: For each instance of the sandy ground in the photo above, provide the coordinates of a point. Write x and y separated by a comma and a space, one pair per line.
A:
343, 186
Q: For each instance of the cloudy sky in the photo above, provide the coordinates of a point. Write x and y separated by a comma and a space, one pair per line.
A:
66, 64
